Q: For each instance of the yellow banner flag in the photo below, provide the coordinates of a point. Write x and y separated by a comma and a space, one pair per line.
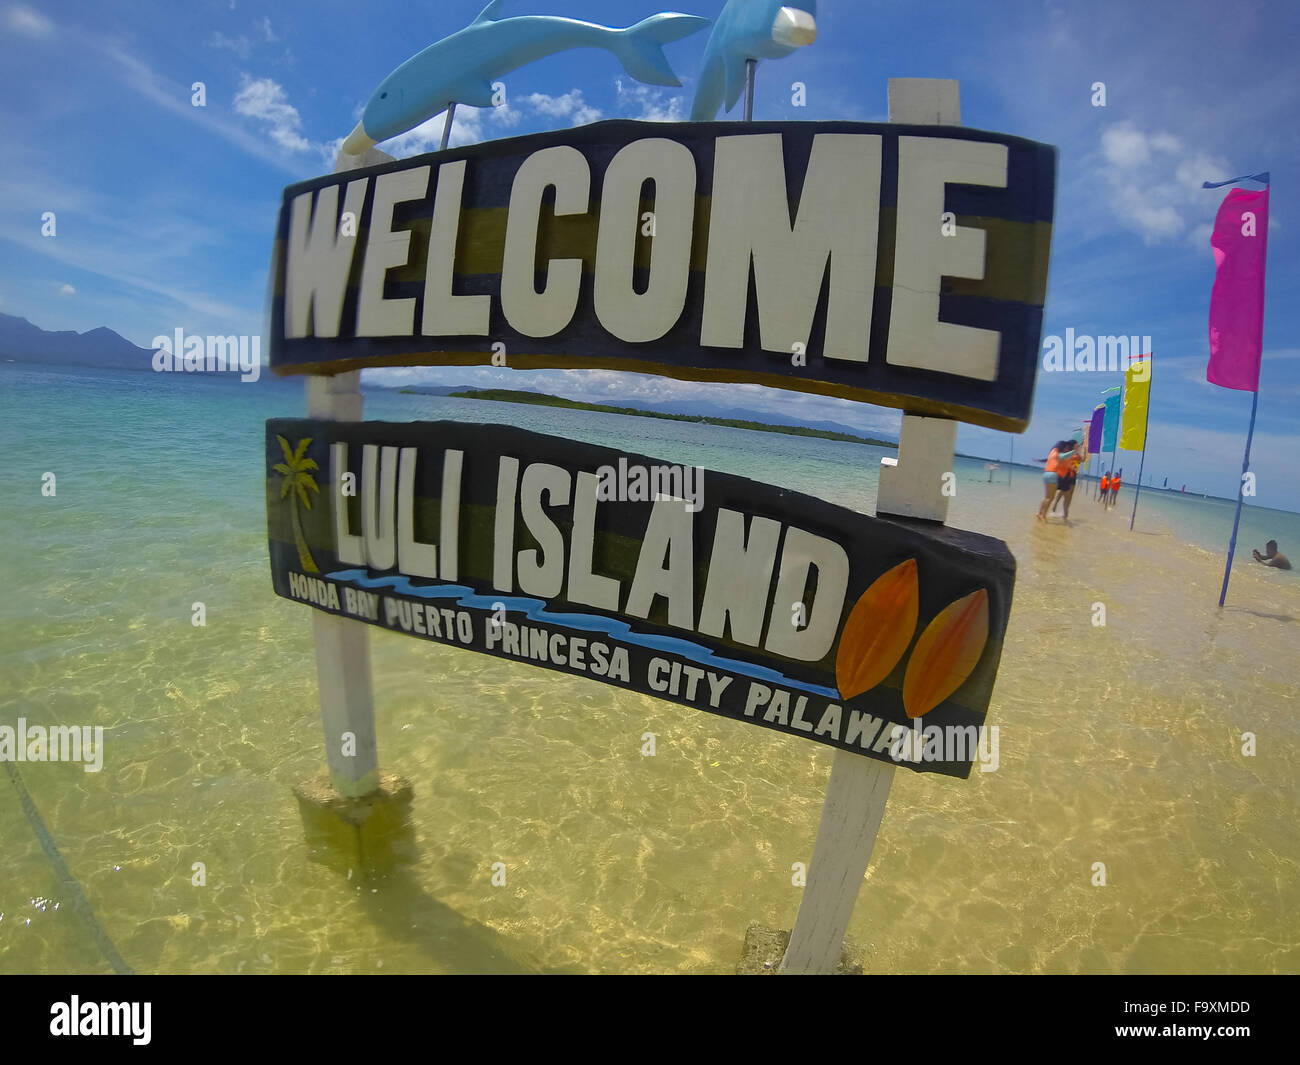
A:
1137, 391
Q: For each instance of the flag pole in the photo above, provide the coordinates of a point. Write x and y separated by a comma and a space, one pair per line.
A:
1146, 422
1241, 492
1263, 179
1114, 451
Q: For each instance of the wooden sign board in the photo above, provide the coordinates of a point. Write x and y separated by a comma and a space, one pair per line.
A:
899, 265
738, 598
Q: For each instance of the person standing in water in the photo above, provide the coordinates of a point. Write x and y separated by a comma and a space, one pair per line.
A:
1068, 473
1052, 470
1271, 556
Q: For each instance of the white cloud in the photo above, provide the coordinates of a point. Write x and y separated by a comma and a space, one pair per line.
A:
650, 104
329, 151
475, 124
466, 128
67, 290
29, 22
175, 98
1125, 147
241, 46
265, 100
570, 105
507, 115
1153, 219
1155, 185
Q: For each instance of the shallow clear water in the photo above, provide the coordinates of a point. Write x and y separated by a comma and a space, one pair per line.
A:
1118, 744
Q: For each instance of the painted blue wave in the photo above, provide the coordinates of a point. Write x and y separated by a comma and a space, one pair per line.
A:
535, 610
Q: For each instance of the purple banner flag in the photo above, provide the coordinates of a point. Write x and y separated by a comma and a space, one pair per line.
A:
1094, 429
1240, 243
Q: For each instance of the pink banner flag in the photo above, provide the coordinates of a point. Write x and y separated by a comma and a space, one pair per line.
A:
1240, 243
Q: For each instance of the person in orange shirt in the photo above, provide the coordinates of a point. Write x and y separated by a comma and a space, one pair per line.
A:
1052, 471
1115, 486
1068, 473
1103, 493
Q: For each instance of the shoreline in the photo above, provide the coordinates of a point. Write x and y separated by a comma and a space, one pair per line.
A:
524, 397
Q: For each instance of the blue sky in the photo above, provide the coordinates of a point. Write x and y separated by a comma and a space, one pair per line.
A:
165, 212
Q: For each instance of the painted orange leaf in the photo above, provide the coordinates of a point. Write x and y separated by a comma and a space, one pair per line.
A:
879, 628
946, 653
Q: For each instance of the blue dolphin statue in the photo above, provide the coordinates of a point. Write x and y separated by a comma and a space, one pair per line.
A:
461, 68
748, 29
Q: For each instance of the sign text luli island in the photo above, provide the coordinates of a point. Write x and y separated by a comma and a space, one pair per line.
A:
764, 605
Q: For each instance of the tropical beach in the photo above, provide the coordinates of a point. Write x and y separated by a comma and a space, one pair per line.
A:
619, 863
582, 489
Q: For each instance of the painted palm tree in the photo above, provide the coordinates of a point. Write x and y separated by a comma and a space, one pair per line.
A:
296, 471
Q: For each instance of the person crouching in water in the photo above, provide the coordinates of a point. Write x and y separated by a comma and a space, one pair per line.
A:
1052, 471
1271, 557
1067, 471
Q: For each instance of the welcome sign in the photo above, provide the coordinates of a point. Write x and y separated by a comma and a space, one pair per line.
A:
899, 265
741, 599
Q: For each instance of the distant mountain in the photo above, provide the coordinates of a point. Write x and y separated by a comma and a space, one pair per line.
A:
20, 341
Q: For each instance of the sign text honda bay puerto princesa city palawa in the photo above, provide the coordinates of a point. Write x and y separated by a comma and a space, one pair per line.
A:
741, 599
901, 265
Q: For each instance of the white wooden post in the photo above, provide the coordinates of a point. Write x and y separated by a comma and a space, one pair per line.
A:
859, 787
910, 487
342, 645
926, 448
347, 703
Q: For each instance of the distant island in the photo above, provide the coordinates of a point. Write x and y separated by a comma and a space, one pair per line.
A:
542, 399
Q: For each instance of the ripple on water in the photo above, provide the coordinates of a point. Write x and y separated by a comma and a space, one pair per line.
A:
1119, 744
